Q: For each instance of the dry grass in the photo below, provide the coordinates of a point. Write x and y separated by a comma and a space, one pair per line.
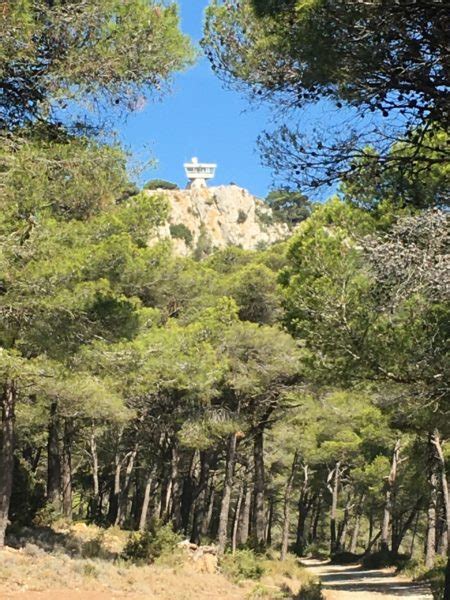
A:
39, 575
80, 562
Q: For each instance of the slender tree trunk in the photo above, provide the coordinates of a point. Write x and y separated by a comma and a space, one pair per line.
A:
244, 519
237, 514
66, 462
95, 503
269, 522
343, 527
175, 503
400, 532
259, 514
201, 496
286, 509
390, 483
316, 518
125, 492
430, 551
226, 496
206, 523
355, 532
436, 441
188, 493
53, 459
145, 502
334, 487
304, 505
8, 402
113, 512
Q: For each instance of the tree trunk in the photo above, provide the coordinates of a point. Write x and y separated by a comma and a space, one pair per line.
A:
188, 493
6, 455
430, 551
286, 509
316, 519
53, 459
66, 478
335, 475
401, 531
201, 496
237, 514
259, 514
304, 505
226, 496
436, 441
115, 491
355, 532
122, 513
95, 502
269, 522
244, 519
145, 503
206, 523
390, 483
343, 527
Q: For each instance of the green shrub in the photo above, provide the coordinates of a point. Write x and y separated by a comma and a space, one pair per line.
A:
47, 516
147, 546
243, 564
160, 184
181, 232
435, 577
316, 550
379, 560
261, 591
345, 558
310, 591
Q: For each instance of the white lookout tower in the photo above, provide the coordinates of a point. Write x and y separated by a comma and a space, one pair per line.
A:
199, 173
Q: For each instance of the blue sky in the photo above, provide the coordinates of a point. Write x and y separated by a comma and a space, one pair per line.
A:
200, 118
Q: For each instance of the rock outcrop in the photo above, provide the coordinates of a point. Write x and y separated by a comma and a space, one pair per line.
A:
219, 216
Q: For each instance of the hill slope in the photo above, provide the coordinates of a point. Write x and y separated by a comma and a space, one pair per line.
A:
219, 217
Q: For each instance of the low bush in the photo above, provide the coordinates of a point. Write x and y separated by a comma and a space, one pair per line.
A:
310, 591
243, 564
147, 546
345, 558
435, 577
316, 550
160, 184
380, 559
181, 232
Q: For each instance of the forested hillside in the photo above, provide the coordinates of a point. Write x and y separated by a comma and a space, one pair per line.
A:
292, 399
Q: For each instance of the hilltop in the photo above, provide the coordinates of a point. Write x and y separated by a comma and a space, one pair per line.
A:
218, 217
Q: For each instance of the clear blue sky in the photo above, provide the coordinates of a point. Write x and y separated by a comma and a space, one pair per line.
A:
200, 118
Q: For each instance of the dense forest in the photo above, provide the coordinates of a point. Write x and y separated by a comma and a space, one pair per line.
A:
294, 397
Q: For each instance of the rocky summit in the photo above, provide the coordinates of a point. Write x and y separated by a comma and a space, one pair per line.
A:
218, 217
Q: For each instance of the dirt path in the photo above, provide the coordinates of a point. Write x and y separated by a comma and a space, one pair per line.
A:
352, 582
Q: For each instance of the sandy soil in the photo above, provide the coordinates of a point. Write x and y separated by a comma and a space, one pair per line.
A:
352, 582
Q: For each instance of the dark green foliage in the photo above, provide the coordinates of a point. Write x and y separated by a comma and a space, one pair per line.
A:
162, 184
203, 247
47, 57
288, 206
148, 545
181, 232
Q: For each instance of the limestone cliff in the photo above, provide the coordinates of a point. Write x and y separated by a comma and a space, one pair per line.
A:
220, 216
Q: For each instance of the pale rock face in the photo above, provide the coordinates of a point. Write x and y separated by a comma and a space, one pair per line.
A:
229, 215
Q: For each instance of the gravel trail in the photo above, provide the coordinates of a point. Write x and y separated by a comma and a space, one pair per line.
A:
353, 582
